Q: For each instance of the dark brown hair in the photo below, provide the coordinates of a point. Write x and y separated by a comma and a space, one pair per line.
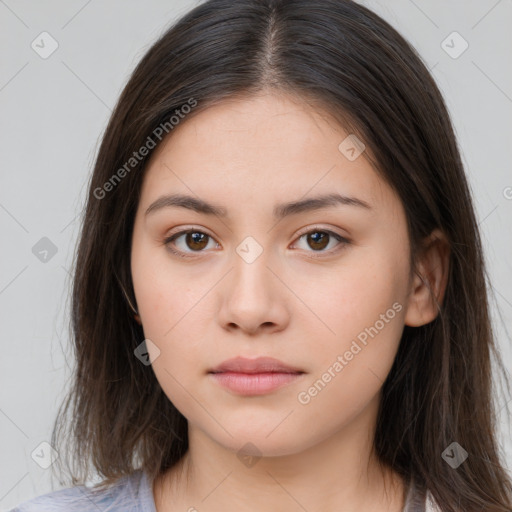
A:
350, 64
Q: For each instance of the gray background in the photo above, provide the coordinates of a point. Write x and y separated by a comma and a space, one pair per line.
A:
54, 110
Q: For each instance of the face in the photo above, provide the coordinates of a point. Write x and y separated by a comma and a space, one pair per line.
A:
322, 290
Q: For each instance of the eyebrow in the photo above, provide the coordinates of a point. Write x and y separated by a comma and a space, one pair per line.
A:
280, 211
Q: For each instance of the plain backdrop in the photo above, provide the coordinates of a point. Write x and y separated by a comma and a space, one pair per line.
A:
54, 110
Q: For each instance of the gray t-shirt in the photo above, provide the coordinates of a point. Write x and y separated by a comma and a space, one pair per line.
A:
131, 493
134, 493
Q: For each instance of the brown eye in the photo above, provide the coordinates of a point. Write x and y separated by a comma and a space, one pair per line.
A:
193, 241
196, 240
319, 239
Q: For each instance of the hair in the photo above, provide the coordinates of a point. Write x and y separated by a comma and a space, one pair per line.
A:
348, 63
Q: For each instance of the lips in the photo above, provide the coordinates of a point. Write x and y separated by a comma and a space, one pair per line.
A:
252, 377
253, 366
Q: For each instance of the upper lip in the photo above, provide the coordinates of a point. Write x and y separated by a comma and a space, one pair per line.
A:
258, 365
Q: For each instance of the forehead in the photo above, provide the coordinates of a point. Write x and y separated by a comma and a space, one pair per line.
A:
266, 146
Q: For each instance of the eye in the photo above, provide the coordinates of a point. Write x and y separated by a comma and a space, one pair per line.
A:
318, 239
196, 240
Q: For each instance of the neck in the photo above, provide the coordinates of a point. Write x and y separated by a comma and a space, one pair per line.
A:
338, 473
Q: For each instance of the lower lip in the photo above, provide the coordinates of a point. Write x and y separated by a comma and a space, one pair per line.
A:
254, 383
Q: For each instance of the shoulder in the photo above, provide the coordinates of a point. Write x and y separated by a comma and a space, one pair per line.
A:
129, 494
419, 499
430, 504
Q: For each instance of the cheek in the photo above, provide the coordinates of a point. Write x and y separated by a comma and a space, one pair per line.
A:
352, 296
350, 368
166, 296
363, 305
174, 318
170, 306
171, 320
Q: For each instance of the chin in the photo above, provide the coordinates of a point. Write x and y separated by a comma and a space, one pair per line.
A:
256, 443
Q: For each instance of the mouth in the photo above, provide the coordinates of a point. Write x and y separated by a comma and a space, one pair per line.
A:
253, 366
254, 376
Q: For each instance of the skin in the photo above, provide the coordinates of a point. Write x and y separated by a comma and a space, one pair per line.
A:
248, 155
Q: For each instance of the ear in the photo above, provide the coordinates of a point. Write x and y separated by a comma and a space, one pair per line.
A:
430, 280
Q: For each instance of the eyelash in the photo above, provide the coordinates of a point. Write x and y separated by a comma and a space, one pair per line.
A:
343, 241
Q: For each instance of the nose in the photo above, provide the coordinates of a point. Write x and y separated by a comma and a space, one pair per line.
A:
253, 297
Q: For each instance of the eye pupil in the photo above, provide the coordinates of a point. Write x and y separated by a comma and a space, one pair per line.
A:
318, 238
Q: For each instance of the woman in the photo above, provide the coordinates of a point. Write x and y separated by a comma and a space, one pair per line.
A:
280, 299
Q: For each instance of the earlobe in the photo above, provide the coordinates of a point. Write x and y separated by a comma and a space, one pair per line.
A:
136, 313
429, 284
